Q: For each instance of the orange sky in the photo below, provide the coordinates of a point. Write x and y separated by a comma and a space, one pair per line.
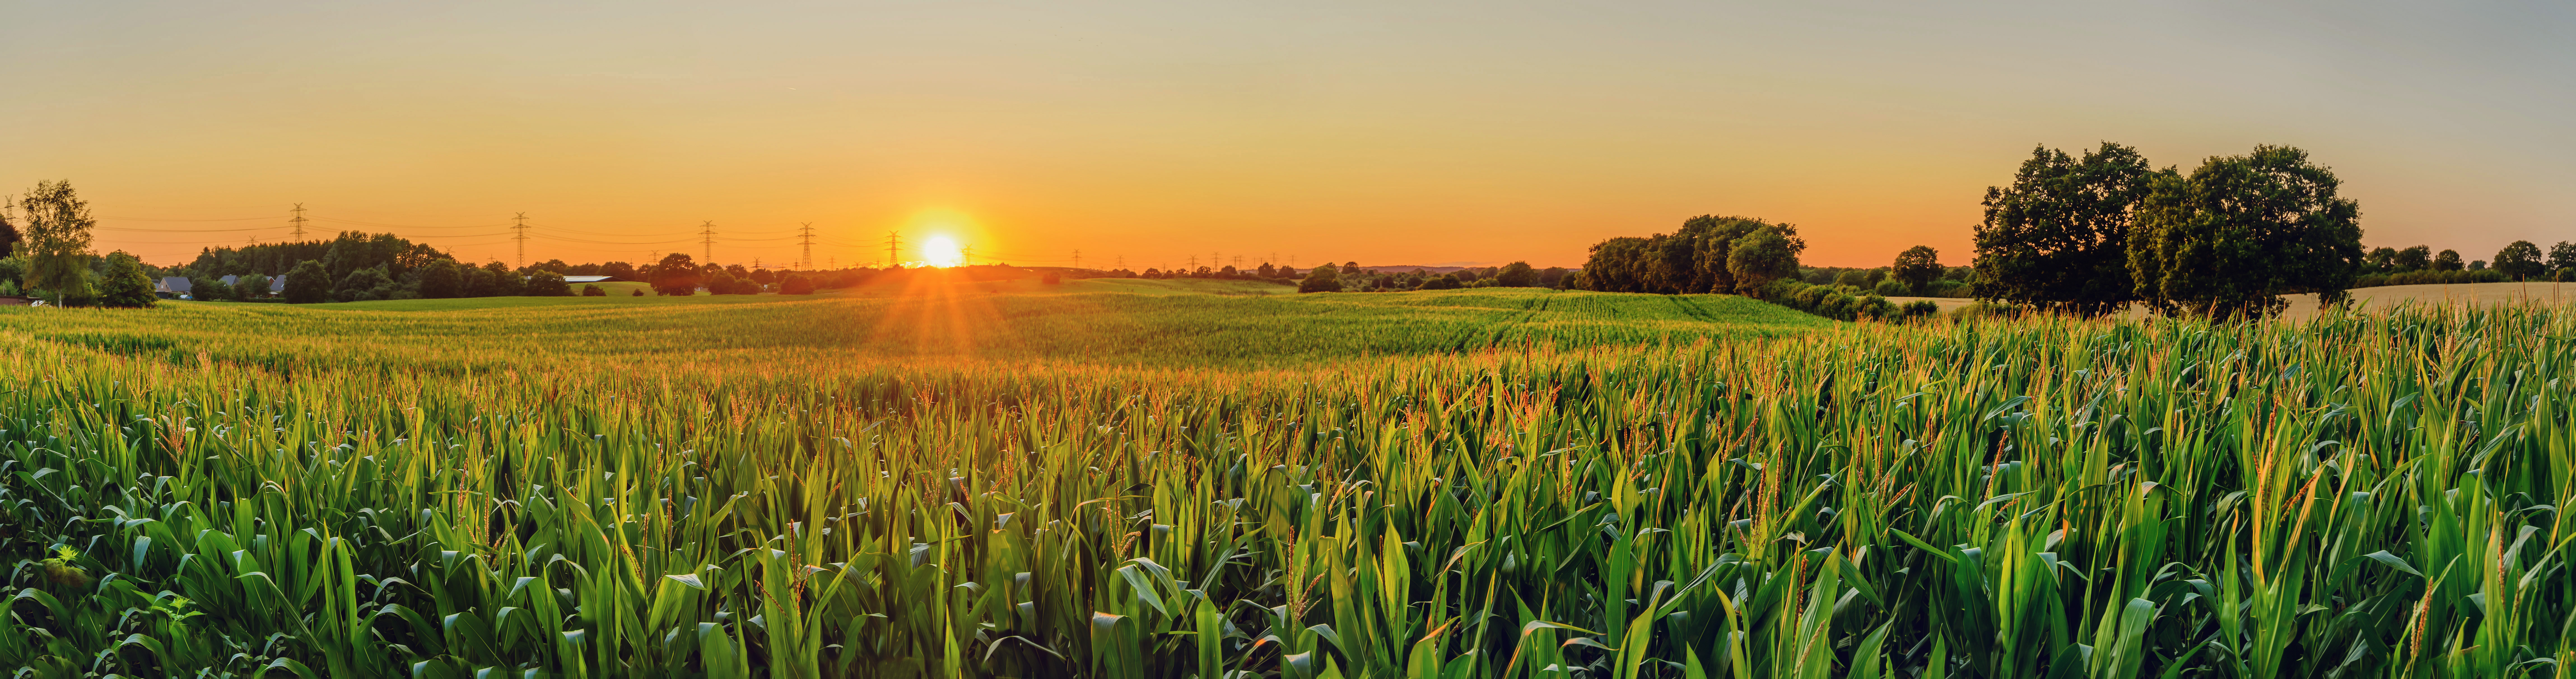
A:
1152, 132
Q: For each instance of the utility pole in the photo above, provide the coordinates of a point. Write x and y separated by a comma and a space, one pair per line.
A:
894, 244
755, 262
807, 240
1194, 262
707, 237
522, 228
298, 221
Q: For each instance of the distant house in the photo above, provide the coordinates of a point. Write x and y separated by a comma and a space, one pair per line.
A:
587, 279
230, 280
277, 285
173, 287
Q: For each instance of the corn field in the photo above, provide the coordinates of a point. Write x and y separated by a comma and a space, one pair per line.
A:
2355, 496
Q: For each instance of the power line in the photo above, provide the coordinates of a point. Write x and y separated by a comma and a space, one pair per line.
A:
150, 219
130, 228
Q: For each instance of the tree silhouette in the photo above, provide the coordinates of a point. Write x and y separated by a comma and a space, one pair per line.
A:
1917, 267
2237, 232
2057, 238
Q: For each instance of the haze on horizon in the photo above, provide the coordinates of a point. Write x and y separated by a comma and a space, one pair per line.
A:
1425, 133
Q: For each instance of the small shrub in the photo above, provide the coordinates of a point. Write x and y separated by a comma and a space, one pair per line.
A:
593, 290
795, 284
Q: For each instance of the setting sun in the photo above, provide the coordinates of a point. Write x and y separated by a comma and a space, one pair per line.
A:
941, 251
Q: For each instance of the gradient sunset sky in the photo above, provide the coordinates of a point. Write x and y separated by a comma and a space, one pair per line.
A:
1389, 133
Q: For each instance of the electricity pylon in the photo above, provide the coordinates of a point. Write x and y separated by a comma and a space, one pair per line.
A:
298, 221
707, 237
522, 228
807, 240
894, 245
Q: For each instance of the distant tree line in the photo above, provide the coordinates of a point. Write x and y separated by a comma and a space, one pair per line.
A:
2520, 260
1351, 277
1754, 257
1708, 254
678, 274
2086, 235
362, 267
1268, 272
44, 252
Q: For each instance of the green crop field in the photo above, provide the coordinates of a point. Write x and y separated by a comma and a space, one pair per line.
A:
1141, 479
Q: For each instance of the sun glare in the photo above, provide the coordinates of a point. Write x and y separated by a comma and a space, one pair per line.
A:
941, 251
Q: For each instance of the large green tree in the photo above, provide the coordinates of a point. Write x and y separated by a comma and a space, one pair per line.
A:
2380, 260
2057, 237
125, 284
2239, 231
364, 285
8, 230
57, 239
308, 283
1321, 279
1615, 265
443, 279
250, 287
676, 274
2416, 258
504, 282
2520, 259
1691, 260
2562, 256
1761, 257
1917, 267
543, 283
